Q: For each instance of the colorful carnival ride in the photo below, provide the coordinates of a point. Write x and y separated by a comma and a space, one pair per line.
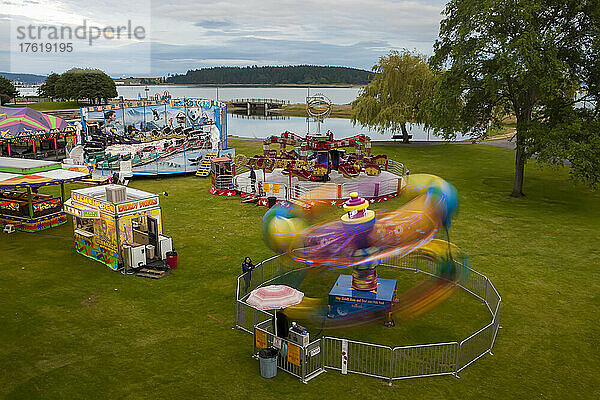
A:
361, 240
315, 156
152, 137
316, 168
27, 133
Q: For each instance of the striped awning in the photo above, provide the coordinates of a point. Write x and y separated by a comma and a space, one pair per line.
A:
45, 178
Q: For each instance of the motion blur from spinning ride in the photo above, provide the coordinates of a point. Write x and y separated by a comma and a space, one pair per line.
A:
361, 240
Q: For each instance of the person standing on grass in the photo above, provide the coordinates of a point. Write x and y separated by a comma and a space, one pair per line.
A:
283, 325
253, 180
247, 268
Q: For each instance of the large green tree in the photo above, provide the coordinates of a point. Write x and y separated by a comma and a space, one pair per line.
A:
536, 60
7, 90
397, 95
48, 88
85, 84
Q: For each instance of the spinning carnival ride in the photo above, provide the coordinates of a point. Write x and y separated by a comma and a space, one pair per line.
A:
317, 155
316, 170
361, 240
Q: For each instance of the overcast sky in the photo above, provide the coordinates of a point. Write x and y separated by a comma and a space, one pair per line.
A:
178, 35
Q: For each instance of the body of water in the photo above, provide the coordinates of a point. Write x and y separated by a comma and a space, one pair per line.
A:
262, 128
341, 127
242, 126
291, 94
29, 91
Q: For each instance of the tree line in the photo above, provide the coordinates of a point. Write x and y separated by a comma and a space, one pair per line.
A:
78, 84
273, 75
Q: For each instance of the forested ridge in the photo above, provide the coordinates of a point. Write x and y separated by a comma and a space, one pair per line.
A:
272, 75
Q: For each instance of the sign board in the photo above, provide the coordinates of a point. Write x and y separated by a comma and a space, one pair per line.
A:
277, 342
94, 203
260, 339
137, 205
80, 212
293, 354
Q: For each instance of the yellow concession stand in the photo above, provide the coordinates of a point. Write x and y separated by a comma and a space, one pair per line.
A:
118, 226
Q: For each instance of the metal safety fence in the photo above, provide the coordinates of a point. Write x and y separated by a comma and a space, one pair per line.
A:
370, 359
304, 362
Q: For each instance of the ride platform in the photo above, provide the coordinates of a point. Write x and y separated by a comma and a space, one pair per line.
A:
345, 301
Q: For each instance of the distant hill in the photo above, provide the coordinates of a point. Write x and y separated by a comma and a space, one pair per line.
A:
28, 79
291, 75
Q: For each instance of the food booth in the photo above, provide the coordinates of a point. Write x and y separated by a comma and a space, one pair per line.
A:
21, 204
119, 226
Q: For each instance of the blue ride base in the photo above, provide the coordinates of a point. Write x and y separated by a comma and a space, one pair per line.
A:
345, 301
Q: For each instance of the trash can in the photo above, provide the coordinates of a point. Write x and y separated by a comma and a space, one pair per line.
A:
268, 362
172, 259
271, 201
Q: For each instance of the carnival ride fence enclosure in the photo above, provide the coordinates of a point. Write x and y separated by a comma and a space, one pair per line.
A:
375, 360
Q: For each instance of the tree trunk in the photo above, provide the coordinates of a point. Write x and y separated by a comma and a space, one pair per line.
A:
519, 167
404, 133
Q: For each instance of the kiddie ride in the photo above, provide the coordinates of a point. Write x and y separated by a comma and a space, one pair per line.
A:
316, 168
315, 156
362, 239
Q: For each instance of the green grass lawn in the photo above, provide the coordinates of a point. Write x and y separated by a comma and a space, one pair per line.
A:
50, 105
72, 328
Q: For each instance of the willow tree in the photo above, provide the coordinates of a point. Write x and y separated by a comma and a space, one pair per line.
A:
535, 60
398, 94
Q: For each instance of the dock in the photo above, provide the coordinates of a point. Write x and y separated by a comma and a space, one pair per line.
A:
254, 105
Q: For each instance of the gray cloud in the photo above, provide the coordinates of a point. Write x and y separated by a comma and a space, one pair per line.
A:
209, 24
192, 35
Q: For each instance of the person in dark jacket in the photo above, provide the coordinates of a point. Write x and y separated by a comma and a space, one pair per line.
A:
253, 180
247, 268
283, 325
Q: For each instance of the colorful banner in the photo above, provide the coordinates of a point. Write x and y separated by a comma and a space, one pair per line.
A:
126, 226
9, 205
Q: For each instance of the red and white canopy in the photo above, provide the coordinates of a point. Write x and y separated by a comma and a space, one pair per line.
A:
274, 296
